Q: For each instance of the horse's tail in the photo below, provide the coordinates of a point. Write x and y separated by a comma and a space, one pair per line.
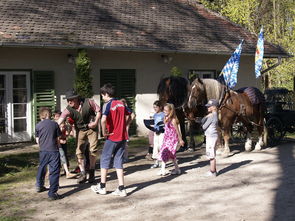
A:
265, 133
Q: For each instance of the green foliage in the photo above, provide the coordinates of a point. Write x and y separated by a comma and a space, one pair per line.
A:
278, 20
175, 71
83, 80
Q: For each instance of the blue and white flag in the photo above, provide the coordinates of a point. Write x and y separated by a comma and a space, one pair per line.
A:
231, 68
259, 53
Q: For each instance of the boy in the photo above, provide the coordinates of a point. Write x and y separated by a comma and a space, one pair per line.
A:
113, 126
210, 126
47, 136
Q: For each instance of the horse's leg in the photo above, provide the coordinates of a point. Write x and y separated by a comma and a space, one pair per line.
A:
181, 117
261, 130
192, 143
248, 143
226, 136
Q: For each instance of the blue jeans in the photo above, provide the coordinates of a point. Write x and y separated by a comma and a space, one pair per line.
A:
52, 159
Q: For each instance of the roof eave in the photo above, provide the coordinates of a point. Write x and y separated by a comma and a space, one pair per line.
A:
127, 49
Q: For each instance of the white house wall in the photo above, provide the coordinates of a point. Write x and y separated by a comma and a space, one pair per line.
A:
149, 67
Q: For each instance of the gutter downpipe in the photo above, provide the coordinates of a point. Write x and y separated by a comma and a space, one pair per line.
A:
268, 69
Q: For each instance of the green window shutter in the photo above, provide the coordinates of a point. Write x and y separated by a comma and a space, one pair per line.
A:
43, 93
124, 81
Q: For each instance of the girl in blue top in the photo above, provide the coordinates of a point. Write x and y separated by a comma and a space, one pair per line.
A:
158, 131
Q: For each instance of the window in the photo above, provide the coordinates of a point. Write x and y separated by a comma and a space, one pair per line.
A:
193, 74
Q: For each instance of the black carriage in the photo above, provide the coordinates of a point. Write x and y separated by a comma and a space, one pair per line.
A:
280, 115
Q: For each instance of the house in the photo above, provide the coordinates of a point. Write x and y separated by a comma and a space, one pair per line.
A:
131, 43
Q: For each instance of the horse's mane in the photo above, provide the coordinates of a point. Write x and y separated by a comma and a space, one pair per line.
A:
173, 90
214, 89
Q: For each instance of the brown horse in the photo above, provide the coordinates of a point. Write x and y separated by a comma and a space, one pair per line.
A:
234, 106
174, 90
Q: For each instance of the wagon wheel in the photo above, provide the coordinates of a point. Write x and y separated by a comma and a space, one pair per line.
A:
239, 132
275, 131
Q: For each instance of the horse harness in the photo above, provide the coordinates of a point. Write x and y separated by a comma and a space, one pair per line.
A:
242, 111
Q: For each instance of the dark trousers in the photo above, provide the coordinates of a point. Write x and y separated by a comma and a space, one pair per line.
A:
52, 159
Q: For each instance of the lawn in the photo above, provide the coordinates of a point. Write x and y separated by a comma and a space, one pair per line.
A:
18, 170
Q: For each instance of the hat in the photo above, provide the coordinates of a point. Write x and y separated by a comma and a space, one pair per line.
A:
212, 102
71, 94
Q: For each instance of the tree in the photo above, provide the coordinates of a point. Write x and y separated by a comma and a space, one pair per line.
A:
278, 19
83, 78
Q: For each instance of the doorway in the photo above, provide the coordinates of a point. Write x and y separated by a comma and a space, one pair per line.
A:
15, 106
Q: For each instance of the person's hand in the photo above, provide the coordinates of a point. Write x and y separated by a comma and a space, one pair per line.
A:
106, 134
92, 125
181, 142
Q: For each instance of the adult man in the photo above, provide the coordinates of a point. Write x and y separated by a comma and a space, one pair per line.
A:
114, 122
86, 114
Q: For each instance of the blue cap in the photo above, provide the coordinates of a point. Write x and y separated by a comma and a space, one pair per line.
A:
212, 102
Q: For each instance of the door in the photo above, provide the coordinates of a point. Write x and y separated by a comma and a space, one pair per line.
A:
15, 106
124, 81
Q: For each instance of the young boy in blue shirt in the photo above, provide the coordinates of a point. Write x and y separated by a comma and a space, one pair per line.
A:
47, 136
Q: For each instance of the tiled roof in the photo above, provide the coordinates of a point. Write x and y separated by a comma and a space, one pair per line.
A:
135, 25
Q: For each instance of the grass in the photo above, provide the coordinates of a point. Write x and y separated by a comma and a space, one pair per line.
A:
19, 169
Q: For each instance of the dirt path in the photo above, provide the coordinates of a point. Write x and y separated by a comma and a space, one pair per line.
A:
250, 186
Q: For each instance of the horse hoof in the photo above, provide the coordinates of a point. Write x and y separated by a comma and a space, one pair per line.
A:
225, 154
248, 148
257, 147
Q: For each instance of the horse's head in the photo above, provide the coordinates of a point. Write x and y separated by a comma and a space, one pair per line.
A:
173, 90
196, 100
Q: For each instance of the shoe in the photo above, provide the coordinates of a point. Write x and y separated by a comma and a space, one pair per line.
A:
55, 197
118, 192
40, 189
175, 172
71, 175
181, 149
91, 177
97, 189
190, 149
76, 170
155, 166
81, 178
210, 174
161, 173
148, 157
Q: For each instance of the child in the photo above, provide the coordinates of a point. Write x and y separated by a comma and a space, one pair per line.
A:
63, 146
113, 126
210, 126
47, 136
172, 137
158, 131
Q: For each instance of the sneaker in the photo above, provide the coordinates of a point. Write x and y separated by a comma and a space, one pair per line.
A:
55, 197
71, 175
40, 189
155, 166
161, 173
210, 174
118, 192
97, 189
175, 172
81, 178
148, 157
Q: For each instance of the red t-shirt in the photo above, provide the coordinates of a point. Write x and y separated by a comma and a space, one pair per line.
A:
116, 113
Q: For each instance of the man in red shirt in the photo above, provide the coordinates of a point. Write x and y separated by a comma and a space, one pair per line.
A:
114, 120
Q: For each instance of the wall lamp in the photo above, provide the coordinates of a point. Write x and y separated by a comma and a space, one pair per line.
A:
166, 58
71, 59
